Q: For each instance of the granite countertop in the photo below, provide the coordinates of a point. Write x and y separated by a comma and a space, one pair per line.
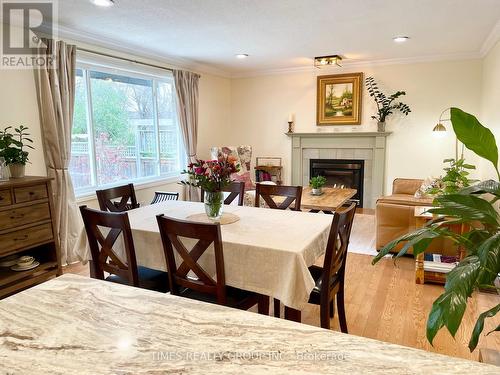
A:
77, 325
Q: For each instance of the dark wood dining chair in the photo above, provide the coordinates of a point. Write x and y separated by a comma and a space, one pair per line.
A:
292, 194
236, 189
162, 196
189, 279
329, 279
117, 199
104, 257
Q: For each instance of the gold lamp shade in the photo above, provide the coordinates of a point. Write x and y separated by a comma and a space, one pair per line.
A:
439, 128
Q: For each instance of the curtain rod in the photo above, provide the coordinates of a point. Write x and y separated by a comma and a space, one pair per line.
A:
123, 58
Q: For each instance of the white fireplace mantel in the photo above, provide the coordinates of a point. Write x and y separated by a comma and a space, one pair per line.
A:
368, 146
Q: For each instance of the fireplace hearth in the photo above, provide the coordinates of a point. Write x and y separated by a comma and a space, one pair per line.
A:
341, 173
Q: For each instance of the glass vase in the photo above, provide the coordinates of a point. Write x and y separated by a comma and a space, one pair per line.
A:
214, 204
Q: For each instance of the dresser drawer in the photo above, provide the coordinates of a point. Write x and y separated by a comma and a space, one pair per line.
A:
26, 237
30, 193
5, 198
26, 215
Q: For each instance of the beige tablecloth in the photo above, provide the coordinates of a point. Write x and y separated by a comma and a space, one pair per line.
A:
266, 251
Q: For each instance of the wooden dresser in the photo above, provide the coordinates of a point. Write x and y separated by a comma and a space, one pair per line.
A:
27, 228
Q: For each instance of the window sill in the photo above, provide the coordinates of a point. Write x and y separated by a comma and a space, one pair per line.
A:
89, 196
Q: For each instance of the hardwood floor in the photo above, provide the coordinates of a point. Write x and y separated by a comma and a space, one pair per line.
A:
383, 302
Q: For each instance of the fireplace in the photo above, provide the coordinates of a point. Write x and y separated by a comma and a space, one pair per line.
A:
341, 173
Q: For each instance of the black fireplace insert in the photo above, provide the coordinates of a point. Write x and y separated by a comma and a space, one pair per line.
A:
341, 173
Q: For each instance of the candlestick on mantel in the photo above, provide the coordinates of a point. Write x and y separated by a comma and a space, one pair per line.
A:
290, 123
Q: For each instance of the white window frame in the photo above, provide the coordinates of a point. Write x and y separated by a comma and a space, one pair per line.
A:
128, 70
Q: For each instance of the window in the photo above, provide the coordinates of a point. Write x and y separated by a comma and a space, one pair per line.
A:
124, 129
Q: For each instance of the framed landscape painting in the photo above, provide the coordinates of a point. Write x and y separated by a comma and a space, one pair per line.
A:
339, 99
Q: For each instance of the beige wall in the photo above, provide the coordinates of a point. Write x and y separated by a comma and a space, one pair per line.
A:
260, 106
18, 105
490, 111
254, 111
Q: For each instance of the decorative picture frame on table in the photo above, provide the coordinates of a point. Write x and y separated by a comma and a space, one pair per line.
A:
339, 99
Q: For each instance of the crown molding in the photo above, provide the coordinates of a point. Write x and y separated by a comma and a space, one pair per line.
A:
360, 64
491, 40
111, 44
179, 62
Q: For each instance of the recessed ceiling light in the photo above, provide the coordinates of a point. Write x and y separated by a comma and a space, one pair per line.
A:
241, 55
400, 39
103, 3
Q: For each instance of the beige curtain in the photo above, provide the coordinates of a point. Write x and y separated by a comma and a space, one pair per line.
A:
56, 94
186, 85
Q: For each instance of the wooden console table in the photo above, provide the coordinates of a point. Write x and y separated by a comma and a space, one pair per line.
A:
26, 228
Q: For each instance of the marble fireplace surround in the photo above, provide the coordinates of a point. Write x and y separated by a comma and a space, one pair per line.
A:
367, 146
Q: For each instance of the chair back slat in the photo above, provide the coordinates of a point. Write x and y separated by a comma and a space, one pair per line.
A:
336, 249
267, 192
235, 188
163, 196
117, 199
171, 231
104, 257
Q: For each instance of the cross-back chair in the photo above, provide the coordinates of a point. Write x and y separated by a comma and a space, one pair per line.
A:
329, 279
162, 196
108, 198
236, 190
292, 194
103, 231
188, 278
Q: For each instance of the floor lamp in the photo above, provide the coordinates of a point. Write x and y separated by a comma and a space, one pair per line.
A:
441, 128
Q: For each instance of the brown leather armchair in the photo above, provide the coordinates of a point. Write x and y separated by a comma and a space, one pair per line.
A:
395, 214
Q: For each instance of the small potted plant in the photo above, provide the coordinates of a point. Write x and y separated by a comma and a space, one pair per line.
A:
12, 149
316, 184
386, 105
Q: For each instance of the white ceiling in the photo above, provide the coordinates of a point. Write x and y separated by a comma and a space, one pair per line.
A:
280, 34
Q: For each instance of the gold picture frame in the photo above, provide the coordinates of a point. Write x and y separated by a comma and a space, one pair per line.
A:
339, 99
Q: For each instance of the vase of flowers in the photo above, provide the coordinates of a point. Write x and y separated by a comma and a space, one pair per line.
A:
212, 176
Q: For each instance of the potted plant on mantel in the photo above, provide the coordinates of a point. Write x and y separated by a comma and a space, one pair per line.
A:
386, 105
317, 184
473, 206
12, 149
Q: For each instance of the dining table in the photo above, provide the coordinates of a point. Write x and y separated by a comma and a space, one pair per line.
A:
77, 325
265, 251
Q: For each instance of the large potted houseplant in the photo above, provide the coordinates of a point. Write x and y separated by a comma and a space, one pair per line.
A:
386, 105
13, 144
474, 207
211, 176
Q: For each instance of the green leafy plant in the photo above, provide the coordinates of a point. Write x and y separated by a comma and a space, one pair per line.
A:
13, 144
472, 206
455, 179
317, 182
386, 105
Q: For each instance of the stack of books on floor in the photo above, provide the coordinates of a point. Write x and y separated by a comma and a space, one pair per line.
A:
439, 263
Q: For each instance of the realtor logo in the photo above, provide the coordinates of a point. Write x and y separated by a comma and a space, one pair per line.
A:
24, 24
